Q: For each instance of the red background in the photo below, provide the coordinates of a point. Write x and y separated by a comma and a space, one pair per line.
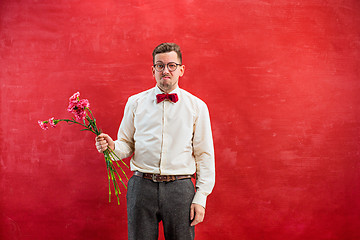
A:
281, 79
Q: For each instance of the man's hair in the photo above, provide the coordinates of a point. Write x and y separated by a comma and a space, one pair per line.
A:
167, 47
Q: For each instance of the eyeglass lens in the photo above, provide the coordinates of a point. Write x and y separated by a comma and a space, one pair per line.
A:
161, 66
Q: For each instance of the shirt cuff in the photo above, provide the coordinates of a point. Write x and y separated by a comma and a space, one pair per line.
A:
117, 152
200, 198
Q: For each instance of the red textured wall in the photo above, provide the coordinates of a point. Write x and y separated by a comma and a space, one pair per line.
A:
281, 79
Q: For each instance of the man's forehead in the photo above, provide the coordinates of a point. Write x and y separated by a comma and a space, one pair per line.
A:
166, 56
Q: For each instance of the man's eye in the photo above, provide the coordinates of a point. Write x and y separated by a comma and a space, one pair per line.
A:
172, 65
160, 65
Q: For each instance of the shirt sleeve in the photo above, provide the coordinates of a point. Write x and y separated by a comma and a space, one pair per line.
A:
124, 145
204, 156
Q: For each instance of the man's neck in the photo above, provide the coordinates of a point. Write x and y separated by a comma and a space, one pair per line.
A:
167, 91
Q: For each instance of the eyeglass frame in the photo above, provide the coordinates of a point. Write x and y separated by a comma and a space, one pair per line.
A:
167, 65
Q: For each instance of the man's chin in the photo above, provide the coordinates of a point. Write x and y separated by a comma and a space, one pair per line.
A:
165, 87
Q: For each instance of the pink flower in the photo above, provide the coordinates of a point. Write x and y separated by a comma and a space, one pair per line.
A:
74, 97
79, 114
71, 106
43, 125
84, 103
52, 123
77, 106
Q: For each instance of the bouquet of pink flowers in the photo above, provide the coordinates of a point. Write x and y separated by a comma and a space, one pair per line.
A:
84, 117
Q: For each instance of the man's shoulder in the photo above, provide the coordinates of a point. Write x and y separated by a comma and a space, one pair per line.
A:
192, 97
136, 97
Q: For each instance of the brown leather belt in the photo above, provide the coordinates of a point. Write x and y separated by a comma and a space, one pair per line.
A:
161, 178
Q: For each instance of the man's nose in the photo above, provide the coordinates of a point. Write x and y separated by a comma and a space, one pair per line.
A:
166, 69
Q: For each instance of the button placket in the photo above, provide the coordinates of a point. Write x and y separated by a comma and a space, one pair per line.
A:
163, 143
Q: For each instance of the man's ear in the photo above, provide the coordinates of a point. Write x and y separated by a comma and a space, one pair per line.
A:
182, 70
153, 71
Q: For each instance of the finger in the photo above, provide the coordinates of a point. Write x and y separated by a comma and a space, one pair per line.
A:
192, 212
100, 143
101, 147
99, 139
101, 136
193, 223
198, 219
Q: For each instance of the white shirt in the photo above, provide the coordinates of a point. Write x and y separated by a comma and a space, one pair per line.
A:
169, 138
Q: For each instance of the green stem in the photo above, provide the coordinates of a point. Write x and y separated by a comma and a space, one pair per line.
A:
116, 156
114, 169
113, 154
76, 122
108, 173
116, 186
92, 122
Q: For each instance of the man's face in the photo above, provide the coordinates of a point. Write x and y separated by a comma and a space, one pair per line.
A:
167, 80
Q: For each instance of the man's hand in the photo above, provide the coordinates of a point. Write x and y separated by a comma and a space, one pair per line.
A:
197, 214
104, 141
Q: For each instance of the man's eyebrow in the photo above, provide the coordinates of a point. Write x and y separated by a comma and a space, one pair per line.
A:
163, 62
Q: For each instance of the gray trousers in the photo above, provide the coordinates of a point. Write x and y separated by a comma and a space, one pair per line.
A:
149, 202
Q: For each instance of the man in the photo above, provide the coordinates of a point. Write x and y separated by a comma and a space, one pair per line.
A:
168, 132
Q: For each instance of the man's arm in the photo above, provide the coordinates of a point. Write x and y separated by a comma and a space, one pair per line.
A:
205, 164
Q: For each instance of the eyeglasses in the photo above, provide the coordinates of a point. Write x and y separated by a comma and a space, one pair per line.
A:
171, 66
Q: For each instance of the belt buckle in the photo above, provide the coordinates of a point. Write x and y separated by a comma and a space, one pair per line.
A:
154, 178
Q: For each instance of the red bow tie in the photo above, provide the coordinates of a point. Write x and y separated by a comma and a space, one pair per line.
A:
172, 97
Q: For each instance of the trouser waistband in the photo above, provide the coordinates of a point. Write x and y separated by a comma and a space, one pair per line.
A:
161, 178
